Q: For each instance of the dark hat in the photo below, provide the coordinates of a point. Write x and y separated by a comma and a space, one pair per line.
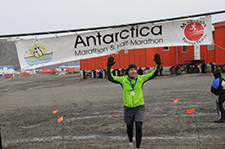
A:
217, 73
132, 66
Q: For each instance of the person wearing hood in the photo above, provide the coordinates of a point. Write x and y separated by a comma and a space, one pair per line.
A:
132, 85
218, 88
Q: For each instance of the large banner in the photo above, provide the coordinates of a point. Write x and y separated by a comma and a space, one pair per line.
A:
43, 52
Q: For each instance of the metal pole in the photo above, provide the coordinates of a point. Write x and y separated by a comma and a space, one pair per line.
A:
197, 128
178, 112
176, 56
62, 137
103, 74
0, 139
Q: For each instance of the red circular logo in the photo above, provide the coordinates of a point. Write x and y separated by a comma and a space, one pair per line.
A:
194, 31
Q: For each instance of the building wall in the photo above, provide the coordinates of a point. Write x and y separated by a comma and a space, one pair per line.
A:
143, 58
219, 43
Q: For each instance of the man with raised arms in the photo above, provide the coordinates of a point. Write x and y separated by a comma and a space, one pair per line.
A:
132, 85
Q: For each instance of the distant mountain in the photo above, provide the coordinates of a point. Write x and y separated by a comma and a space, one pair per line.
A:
8, 54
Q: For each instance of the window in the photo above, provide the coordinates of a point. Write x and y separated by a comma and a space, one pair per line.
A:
166, 48
184, 49
211, 46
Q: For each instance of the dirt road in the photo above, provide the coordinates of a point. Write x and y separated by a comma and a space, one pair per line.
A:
93, 113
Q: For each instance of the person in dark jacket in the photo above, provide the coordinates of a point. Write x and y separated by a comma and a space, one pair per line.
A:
132, 85
218, 88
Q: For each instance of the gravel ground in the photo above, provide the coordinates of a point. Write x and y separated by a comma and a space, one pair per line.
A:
93, 117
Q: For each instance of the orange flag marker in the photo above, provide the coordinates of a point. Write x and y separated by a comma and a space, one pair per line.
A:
190, 111
54, 112
60, 119
175, 101
193, 111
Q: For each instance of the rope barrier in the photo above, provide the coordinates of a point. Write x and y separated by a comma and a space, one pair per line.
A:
219, 46
6, 80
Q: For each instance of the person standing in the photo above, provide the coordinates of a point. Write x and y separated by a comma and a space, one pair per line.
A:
132, 85
218, 88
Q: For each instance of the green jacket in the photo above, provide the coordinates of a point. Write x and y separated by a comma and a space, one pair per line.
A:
125, 82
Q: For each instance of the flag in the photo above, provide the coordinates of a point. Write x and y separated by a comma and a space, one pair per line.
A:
190, 111
60, 119
54, 112
175, 101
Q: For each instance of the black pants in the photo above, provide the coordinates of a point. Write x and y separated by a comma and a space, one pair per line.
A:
219, 102
138, 126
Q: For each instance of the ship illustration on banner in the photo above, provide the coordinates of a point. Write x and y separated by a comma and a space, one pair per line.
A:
38, 54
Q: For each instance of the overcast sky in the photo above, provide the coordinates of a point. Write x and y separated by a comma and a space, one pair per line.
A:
25, 16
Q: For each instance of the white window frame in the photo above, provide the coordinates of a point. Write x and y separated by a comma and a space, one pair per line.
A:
183, 49
211, 46
168, 48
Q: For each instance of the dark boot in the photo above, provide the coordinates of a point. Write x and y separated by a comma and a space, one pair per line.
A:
220, 121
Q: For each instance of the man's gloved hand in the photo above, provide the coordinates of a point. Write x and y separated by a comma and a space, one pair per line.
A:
157, 59
111, 61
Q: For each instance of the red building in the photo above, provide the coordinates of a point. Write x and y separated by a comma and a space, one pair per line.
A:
219, 39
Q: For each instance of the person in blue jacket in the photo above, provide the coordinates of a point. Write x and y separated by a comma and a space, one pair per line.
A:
218, 88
